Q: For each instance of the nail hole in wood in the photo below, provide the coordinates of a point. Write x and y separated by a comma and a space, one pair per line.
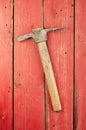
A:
53, 125
19, 74
71, 16
72, 5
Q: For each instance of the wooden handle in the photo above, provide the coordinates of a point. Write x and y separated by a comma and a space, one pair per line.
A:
49, 75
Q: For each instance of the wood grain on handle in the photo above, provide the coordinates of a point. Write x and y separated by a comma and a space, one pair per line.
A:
49, 75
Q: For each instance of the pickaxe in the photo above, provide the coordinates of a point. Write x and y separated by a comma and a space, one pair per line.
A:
40, 37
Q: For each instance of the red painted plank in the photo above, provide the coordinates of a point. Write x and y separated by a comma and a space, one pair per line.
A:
28, 74
60, 44
5, 65
80, 49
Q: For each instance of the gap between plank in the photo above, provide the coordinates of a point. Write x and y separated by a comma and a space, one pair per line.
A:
43, 13
74, 77
45, 111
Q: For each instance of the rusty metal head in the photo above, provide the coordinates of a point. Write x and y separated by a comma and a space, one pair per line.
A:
38, 34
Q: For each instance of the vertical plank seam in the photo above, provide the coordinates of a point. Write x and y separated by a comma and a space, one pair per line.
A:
12, 64
44, 74
43, 13
74, 76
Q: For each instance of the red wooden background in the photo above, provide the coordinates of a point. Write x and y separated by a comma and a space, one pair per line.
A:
5, 65
24, 99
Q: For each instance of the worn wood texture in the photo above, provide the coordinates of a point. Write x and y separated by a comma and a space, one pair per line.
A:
60, 44
29, 111
5, 65
80, 64
49, 76
28, 72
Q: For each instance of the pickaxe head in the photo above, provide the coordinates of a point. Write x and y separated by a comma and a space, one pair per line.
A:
38, 34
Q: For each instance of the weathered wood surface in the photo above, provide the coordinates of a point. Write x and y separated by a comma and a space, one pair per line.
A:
5, 65
49, 76
80, 64
29, 99
28, 75
60, 44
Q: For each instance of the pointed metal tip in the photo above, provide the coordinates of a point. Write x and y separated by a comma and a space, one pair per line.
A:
61, 27
55, 28
24, 37
18, 39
